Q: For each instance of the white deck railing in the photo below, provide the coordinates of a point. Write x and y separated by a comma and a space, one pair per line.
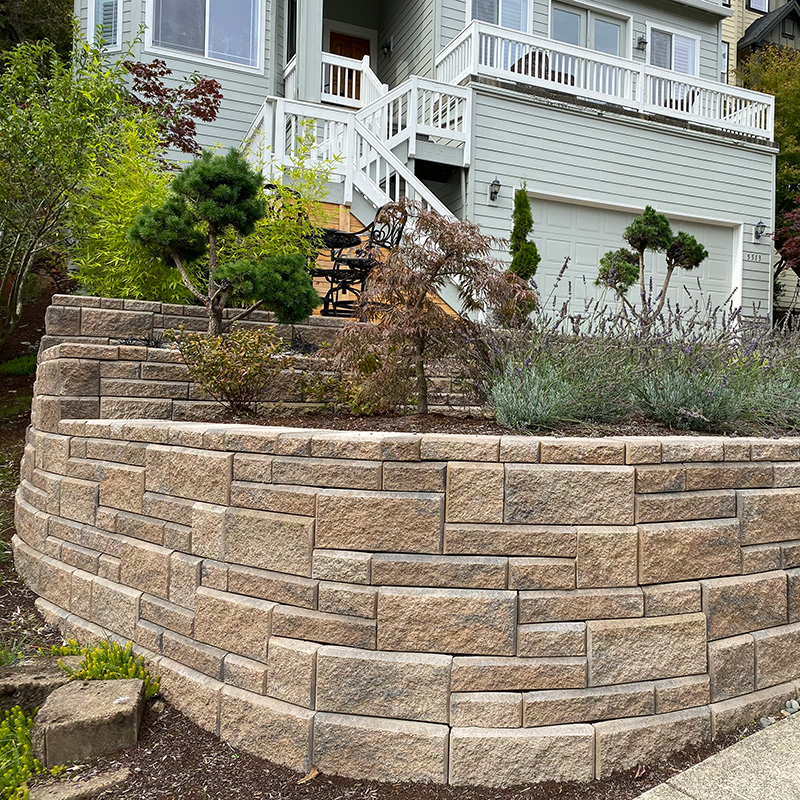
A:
484, 49
348, 82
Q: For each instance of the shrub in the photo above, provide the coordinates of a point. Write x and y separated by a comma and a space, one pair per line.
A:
21, 365
525, 256
234, 369
17, 764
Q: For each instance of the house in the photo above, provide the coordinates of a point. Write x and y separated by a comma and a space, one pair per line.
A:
754, 24
599, 108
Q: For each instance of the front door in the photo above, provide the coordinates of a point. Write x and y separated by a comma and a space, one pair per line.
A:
347, 83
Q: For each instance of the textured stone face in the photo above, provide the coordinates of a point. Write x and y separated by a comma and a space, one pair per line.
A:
455, 572
731, 666
515, 757
551, 639
194, 474
197, 695
475, 492
486, 709
291, 671
232, 622
541, 573
607, 557
511, 540
586, 705
393, 521
677, 694
777, 655
517, 674
679, 551
380, 749
398, 685
569, 495
769, 515
667, 599
581, 604
729, 716
623, 651
447, 620
341, 565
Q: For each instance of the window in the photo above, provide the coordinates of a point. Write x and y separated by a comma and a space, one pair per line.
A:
105, 15
758, 5
787, 28
507, 13
586, 28
673, 51
291, 29
723, 63
227, 30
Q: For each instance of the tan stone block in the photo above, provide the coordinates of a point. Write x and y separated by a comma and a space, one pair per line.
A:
80, 596
775, 450
777, 655
348, 599
678, 506
455, 572
790, 554
78, 500
201, 657
410, 476
292, 670
267, 728
679, 551
214, 575
568, 706
108, 568
607, 557
73, 554
625, 743
146, 566
341, 474
377, 445
274, 586
468, 621
486, 709
731, 667
232, 622
761, 558
550, 494
667, 599
244, 673
475, 492
769, 515
511, 540
252, 467
513, 757
541, 573
745, 475
195, 694
301, 623
184, 578
793, 594
52, 451
397, 685
389, 521
730, 716
786, 476
744, 604
115, 607
676, 694
167, 615
122, 487
208, 524
148, 635
298, 500
660, 478
624, 651
519, 449
31, 525
345, 566
137, 526
186, 472
178, 537
582, 451
736, 449
580, 604
261, 539
493, 674
459, 447
691, 448
642, 451
551, 639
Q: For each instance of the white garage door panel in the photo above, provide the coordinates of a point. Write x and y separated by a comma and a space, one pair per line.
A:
585, 233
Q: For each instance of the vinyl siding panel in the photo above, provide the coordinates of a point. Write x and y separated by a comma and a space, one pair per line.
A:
615, 162
410, 23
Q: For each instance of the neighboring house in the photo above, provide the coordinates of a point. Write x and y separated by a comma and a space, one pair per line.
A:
754, 24
600, 109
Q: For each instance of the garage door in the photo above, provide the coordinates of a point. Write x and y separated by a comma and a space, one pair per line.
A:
585, 233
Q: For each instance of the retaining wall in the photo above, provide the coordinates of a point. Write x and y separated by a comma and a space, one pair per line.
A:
466, 609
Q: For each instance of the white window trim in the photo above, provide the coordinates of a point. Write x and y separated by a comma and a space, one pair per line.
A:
529, 28
333, 26
676, 32
149, 47
604, 11
91, 27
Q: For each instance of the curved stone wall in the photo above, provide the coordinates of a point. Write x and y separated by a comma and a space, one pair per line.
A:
464, 609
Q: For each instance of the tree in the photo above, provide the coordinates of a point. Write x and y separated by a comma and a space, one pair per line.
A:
407, 326
213, 196
620, 269
525, 256
35, 20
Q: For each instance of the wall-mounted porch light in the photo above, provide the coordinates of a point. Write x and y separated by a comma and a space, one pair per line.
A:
641, 44
759, 229
386, 47
494, 189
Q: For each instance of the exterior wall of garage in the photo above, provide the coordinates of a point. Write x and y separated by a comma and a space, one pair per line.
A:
597, 158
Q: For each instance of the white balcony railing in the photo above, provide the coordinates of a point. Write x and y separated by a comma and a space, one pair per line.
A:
348, 82
484, 49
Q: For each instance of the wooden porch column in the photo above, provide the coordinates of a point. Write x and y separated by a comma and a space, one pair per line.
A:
309, 50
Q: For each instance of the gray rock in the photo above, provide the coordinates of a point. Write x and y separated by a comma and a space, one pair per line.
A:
30, 682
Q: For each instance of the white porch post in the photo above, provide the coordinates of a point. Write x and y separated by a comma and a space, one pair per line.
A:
309, 50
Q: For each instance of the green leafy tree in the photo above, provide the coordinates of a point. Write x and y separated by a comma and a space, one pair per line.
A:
35, 20
213, 196
649, 232
525, 256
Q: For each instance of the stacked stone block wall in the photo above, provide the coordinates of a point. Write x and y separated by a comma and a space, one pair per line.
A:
465, 609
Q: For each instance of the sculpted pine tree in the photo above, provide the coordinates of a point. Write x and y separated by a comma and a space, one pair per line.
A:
525, 256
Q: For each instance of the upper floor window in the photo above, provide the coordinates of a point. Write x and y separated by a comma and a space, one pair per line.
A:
673, 51
758, 5
586, 28
105, 18
227, 30
723, 63
508, 13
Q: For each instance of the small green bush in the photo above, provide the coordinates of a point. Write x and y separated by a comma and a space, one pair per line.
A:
22, 365
234, 369
17, 764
